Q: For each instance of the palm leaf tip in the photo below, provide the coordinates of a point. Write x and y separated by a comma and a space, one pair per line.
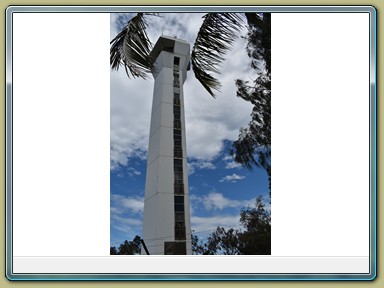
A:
131, 47
214, 40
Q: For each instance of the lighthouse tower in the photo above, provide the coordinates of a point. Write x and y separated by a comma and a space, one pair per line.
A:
167, 227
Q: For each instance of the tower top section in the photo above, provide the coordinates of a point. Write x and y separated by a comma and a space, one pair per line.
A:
177, 47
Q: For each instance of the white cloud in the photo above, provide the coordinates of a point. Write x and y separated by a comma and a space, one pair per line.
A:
232, 178
232, 165
121, 204
130, 118
199, 164
214, 201
132, 171
217, 201
203, 226
208, 121
191, 169
227, 158
126, 220
126, 214
204, 165
125, 224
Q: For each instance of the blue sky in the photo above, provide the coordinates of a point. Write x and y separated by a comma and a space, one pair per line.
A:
219, 188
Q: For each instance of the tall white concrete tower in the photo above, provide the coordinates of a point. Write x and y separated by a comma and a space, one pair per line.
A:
167, 226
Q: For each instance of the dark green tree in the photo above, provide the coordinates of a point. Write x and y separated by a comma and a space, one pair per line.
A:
255, 239
113, 251
127, 247
253, 146
224, 241
197, 246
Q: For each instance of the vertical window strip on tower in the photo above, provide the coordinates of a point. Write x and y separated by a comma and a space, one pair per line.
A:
179, 208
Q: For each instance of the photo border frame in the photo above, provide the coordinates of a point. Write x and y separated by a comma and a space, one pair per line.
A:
164, 8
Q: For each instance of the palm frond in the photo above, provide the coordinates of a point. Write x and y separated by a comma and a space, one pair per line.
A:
131, 47
214, 39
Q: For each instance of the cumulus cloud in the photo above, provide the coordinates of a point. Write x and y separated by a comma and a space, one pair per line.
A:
232, 165
232, 178
208, 121
130, 118
126, 220
199, 164
125, 224
133, 172
217, 201
206, 225
122, 204
126, 215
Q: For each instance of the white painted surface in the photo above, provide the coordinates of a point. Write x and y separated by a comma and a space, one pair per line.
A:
159, 211
320, 134
61, 126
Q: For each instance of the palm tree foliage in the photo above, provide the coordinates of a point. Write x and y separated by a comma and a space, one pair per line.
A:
131, 48
214, 39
